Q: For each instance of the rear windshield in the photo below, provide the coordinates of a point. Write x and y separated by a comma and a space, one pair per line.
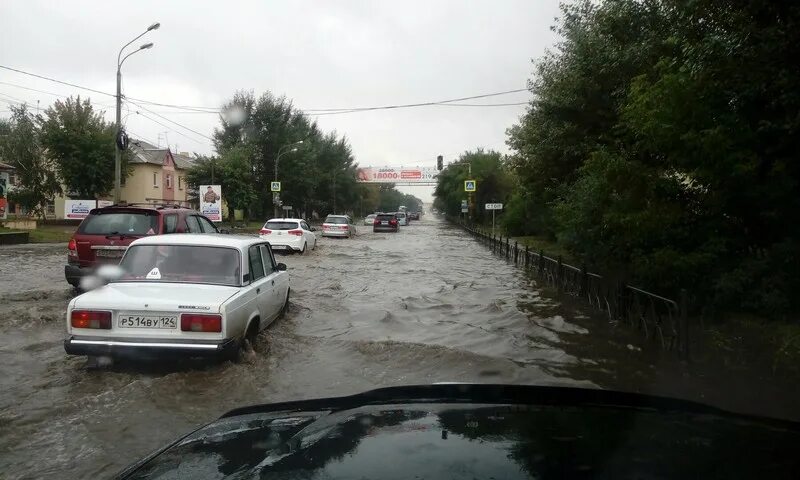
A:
118, 223
336, 220
400, 214
281, 225
181, 263
385, 216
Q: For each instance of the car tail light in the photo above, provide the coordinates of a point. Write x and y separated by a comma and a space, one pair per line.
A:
393, 221
264, 231
90, 319
192, 322
376, 222
72, 247
325, 227
299, 233
345, 227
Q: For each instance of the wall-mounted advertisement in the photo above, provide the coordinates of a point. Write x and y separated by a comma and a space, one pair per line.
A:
211, 202
78, 209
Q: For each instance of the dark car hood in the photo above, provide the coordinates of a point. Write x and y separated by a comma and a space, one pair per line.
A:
481, 431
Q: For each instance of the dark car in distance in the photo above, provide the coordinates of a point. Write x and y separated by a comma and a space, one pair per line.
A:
104, 235
385, 222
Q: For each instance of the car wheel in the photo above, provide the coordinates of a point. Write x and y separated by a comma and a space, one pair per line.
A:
285, 306
304, 248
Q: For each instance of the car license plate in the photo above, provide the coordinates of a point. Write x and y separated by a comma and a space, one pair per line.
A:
109, 253
278, 247
384, 223
147, 321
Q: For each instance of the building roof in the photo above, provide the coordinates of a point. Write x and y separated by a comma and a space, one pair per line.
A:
202, 239
144, 152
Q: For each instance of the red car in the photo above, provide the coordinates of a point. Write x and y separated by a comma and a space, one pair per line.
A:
104, 235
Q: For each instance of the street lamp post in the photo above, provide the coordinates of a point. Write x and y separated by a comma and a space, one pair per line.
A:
277, 159
118, 138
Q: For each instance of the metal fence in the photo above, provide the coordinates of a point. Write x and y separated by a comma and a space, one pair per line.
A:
662, 321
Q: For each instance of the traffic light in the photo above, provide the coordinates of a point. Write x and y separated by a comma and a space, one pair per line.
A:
439, 162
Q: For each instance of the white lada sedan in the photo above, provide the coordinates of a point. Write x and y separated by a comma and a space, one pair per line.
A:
190, 295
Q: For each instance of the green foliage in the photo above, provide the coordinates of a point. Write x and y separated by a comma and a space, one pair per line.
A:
81, 145
20, 147
232, 171
316, 175
494, 184
662, 142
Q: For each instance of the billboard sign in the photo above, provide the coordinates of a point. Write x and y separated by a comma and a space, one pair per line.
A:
211, 202
396, 175
78, 209
494, 206
4, 184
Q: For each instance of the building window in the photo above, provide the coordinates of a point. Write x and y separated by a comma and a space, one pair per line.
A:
155, 180
180, 183
169, 181
51, 209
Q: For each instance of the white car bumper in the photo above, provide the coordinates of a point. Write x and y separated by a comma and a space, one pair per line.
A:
284, 242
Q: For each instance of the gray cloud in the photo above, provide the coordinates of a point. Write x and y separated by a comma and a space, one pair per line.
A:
322, 54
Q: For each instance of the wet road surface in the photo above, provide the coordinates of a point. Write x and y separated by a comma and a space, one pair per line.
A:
427, 304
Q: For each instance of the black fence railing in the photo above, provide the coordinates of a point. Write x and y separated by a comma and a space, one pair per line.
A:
662, 321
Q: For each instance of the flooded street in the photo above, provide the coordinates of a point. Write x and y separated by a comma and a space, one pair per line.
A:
428, 304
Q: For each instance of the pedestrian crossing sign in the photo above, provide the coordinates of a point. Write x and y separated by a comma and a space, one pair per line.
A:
469, 185
275, 186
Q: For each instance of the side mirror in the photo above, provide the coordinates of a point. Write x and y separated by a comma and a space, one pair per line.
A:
313, 229
281, 267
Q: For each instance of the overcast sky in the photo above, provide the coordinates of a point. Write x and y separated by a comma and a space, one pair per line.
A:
321, 54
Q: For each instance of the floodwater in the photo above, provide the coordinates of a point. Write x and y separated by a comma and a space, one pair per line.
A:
428, 304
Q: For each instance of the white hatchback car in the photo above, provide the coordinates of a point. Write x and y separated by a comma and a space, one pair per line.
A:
289, 234
190, 295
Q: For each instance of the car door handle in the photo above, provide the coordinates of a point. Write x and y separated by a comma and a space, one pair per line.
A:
258, 290
273, 282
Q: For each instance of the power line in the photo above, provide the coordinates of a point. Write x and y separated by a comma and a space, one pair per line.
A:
50, 93
408, 105
171, 121
170, 129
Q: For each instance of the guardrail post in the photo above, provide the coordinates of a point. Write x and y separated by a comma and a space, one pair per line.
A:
527, 257
541, 261
508, 248
584, 280
516, 252
683, 325
559, 274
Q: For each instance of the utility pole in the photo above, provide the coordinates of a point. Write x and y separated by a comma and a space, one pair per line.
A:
120, 140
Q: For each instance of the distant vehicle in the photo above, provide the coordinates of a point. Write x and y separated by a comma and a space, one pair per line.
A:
289, 235
183, 295
402, 219
370, 219
104, 235
413, 215
402, 208
385, 222
338, 226
481, 431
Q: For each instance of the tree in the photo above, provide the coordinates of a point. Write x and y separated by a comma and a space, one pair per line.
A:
488, 170
81, 145
20, 147
317, 175
662, 141
233, 172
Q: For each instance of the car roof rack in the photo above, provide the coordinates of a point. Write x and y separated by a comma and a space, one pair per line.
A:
155, 205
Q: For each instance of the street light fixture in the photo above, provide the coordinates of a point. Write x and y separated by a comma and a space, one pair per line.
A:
292, 148
118, 138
